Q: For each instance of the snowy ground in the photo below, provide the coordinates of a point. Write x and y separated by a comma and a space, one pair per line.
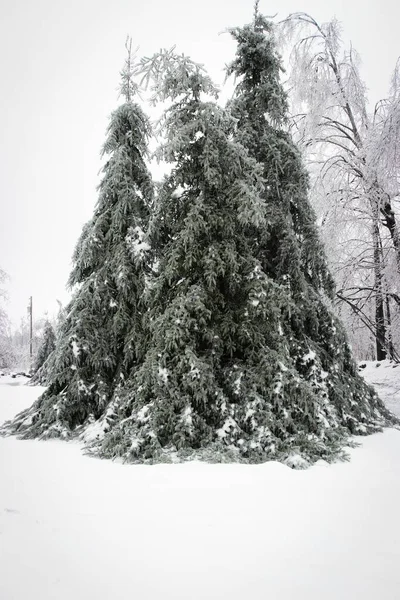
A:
385, 377
73, 527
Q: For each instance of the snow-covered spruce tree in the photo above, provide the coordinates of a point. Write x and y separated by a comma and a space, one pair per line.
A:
47, 346
245, 362
102, 336
291, 254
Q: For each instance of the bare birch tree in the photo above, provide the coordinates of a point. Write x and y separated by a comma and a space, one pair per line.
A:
354, 159
5, 349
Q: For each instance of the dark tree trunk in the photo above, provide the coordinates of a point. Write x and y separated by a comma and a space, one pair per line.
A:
380, 329
390, 223
389, 329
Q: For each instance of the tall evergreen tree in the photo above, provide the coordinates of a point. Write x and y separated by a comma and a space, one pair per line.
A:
102, 336
291, 253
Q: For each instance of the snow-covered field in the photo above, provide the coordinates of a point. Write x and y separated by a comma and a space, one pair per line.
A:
73, 527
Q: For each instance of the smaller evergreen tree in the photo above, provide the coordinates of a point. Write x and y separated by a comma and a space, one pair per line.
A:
102, 336
47, 346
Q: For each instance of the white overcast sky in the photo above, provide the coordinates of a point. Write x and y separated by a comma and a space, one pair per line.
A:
60, 63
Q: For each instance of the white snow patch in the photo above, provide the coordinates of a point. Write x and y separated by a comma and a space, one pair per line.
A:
75, 348
135, 444
230, 424
163, 374
95, 431
178, 192
309, 356
142, 415
237, 384
249, 413
296, 461
187, 416
155, 267
136, 242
